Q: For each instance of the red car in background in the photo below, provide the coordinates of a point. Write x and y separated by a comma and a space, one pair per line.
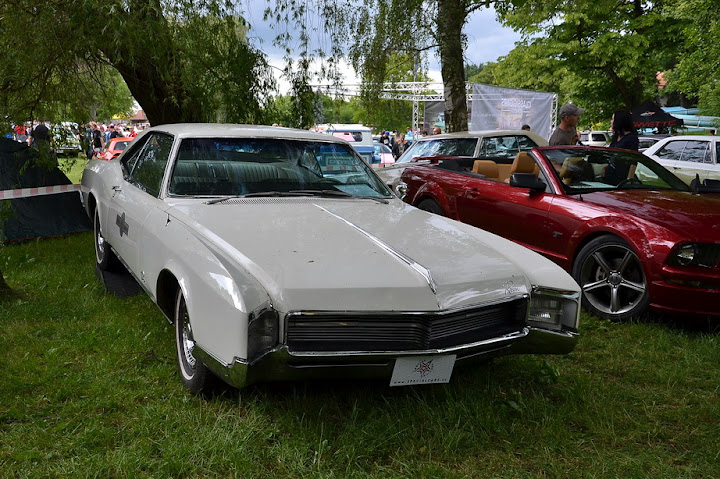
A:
631, 233
114, 147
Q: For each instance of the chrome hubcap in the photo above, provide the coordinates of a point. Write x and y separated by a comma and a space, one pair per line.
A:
188, 343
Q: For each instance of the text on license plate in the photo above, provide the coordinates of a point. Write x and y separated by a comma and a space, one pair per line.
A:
410, 370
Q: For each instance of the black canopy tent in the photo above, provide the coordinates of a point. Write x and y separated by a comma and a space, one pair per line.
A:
36, 216
649, 115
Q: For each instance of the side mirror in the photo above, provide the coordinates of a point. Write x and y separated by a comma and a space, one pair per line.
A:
527, 180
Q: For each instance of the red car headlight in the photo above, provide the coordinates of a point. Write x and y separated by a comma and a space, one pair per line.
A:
696, 254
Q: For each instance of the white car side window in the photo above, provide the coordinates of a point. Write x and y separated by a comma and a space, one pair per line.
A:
697, 152
149, 167
672, 150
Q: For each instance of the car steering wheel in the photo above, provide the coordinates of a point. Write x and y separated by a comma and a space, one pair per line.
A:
627, 181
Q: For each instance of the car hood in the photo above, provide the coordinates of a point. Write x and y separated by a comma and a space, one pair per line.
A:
695, 216
312, 253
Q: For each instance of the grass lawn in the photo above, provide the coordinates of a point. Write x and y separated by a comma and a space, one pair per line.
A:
90, 389
73, 166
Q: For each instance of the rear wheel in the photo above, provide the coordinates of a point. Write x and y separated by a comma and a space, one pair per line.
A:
430, 206
612, 279
195, 375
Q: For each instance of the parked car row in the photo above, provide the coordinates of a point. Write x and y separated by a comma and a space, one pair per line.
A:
279, 254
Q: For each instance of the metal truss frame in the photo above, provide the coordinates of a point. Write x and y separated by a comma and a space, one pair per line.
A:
415, 92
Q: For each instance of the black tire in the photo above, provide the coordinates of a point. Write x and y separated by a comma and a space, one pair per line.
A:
610, 273
431, 206
194, 374
104, 256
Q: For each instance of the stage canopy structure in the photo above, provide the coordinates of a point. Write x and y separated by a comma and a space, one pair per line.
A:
489, 107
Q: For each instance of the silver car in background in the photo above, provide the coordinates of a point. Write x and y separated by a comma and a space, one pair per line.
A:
478, 144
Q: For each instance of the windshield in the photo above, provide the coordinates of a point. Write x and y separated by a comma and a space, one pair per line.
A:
243, 166
440, 147
583, 169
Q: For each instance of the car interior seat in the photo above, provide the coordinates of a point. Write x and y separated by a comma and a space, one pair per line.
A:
487, 168
523, 163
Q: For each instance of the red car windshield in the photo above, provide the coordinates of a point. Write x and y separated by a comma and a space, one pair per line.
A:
583, 169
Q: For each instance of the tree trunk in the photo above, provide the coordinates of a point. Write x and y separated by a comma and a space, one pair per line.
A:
452, 15
162, 102
149, 72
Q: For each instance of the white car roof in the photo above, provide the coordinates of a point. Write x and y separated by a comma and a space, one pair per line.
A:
485, 133
220, 130
689, 137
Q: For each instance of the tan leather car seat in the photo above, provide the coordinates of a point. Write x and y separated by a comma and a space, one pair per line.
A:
523, 163
487, 168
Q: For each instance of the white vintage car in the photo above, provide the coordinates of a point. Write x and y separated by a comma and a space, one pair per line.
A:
279, 254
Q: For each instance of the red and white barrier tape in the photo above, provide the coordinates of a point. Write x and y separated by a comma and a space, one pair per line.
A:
37, 191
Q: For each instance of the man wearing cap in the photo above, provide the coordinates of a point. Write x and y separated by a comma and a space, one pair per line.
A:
566, 131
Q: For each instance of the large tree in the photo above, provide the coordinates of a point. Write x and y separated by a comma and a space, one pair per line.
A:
608, 52
372, 31
698, 68
182, 60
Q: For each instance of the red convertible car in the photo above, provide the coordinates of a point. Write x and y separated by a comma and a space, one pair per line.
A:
631, 233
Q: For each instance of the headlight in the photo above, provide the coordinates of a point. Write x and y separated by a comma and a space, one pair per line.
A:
401, 190
262, 334
696, 254
554, 308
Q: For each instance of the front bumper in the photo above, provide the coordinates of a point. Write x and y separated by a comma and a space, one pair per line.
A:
283, 365
692, 293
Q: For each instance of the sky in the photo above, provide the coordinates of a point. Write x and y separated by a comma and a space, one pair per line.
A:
487, 40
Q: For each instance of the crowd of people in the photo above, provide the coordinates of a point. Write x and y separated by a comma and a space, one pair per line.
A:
397, 140
92, 136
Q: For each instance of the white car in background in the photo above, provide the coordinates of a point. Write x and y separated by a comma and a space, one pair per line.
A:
689, 156
595, 138
478, 144
278, 254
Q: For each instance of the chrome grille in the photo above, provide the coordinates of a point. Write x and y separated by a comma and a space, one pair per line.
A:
373, 332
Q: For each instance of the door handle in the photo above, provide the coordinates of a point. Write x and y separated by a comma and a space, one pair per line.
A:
117, 188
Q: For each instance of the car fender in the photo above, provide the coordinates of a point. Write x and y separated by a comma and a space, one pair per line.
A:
98, 179
431, 190
221, 295
624, 228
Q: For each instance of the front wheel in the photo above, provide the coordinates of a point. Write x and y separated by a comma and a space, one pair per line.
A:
104, 257
195, 375
430, 206
612, 279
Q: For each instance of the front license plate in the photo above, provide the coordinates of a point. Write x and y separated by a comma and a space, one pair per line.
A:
411, 370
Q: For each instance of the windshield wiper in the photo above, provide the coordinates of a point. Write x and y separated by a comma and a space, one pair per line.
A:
339, 194
296, 193
259, 195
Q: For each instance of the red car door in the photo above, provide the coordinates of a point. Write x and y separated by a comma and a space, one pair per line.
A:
511, 212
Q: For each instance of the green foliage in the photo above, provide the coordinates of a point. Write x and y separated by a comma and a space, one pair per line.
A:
471, 70
90, 389
182, 61
697, 68
376, 35
604, 54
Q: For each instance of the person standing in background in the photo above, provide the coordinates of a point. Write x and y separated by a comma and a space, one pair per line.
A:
624, 133
566, 132
400, 146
